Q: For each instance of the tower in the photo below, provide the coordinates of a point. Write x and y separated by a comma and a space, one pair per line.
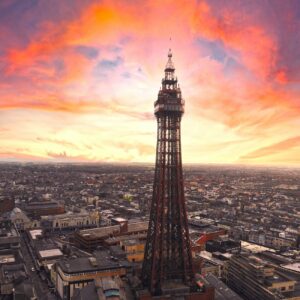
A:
168, 258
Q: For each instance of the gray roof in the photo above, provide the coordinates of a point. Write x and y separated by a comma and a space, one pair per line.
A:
222, 291
101, 261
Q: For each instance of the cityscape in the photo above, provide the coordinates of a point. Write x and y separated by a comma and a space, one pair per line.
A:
54, 208
117, 199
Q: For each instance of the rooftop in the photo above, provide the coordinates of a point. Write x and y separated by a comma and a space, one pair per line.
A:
254, 248
103, 232
292, 267
35, 233
50, 253
102, 260
222, 291
8, 258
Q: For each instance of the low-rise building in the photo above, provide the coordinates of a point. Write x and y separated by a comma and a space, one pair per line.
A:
71, 220
134, 249
14, 279
279, 242
44, 208
20, 219
90, 239
102, 288
223, 245
253, 279
7, 203
76, 273
9, 236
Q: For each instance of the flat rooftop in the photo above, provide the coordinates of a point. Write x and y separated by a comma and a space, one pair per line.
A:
276, 278
222, 291
42, 204
8, 258
102, 232
35, 233
100, 261
254, 248
132, 242
292, 267
50, 253
208, 256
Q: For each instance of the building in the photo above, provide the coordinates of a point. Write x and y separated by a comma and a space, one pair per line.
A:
44, 208
46, 251
20, 219
222, 292
206, 232
69, 220
9, 236
7, 203
75, 273
90, 239
134, 249
279, 242
14, 279
15, 282
253, 278
102, 288
223, 245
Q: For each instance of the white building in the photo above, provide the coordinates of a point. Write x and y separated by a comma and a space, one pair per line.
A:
71, 220
20, 219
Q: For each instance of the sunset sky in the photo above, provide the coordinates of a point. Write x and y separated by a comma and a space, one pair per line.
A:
78, 79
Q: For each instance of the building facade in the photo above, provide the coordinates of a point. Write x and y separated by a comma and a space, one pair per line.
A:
253, 279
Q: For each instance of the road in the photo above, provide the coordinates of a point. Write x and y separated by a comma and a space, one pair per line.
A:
41, 287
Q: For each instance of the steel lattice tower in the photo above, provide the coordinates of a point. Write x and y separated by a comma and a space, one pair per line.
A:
168, 255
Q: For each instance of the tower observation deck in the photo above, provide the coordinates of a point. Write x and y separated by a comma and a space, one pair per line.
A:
168, 258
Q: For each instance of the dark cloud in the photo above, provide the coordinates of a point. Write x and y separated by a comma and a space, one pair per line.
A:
88, 52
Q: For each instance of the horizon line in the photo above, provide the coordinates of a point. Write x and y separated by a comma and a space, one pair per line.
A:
231, 164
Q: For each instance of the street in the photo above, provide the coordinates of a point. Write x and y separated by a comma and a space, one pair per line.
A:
40, 285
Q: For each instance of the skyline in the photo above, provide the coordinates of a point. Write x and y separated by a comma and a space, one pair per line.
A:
79, 79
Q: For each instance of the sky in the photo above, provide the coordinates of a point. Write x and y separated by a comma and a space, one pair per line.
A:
78, 79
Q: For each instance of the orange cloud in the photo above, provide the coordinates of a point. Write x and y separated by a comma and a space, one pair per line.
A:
51, 103
20, 156
57, 141
243, 90
274, 148
106, 21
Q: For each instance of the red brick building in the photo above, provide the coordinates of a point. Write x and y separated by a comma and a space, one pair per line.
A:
45, 208
6, 204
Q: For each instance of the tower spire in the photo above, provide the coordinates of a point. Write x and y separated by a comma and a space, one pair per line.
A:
170, 65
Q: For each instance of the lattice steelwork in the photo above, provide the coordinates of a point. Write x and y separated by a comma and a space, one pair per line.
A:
168, 252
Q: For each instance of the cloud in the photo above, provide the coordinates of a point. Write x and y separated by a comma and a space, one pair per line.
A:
238, 31
88, 52
10, 155
100, 63
63, 156
274, 148
52, 103
57, 141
